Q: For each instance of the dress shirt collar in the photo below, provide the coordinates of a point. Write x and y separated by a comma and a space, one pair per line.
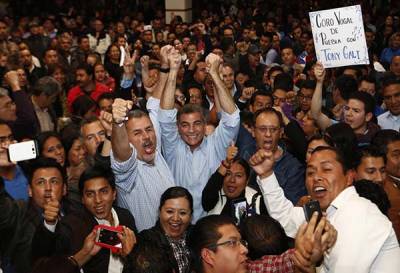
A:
393, 117
341, 200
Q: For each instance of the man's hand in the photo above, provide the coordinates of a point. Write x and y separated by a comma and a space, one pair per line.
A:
120, 109
129, 63
262, 162
319, 72
51, 210
231, 152
213, 62
88, 250
12, 80
164, 52
174, 59
311, 242
128, 240
106, 119
247, 93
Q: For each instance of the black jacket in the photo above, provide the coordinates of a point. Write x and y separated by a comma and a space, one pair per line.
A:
156, 237
70, 234
18, 223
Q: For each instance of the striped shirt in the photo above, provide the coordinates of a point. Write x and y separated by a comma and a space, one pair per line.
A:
140, 186
193, 169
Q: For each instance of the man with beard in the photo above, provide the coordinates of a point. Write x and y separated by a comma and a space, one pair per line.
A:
86, 85
142, 174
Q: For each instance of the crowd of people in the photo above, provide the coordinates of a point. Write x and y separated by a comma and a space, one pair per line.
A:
199, 142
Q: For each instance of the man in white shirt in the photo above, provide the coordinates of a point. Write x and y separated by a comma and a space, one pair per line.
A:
391, 98
366, 239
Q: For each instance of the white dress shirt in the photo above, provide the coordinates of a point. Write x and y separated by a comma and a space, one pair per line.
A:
389, 121
366, 240
193, 169
115, 265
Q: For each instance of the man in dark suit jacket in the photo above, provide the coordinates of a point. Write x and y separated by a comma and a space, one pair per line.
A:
97, 186
19, 219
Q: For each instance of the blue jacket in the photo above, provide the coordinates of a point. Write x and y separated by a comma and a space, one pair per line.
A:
290, 174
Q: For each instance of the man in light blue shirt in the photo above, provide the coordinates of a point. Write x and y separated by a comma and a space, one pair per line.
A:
141, 173
191, 156
391, 97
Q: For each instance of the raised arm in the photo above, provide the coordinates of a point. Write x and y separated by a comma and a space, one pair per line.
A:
157, 90
279, 207
168, 97
225, 98
119, 137
322, 120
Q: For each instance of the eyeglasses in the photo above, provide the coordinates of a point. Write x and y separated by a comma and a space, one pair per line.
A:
231, 243
264, 130
302, 97
8, 138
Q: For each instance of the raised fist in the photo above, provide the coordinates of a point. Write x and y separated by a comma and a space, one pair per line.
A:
120, 109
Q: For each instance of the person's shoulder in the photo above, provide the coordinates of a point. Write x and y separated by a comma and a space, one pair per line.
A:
384, 115
102, 87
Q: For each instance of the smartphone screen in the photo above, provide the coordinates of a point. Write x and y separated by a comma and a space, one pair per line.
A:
108, 237
239, 207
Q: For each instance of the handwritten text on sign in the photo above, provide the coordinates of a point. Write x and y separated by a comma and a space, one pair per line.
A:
339, 36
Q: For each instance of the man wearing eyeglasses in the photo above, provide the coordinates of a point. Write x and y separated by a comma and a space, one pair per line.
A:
217, 246
268, 131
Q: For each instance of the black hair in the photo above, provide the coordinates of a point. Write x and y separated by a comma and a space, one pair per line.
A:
368, 78
346, 85
176, 192
366, 99
204, 235
86, 67
264, 235
383, 138
323, 137
148, 258
82, 105
69, 134
340, 157
96, 171
260, 93
389, 79
106, 95
369, 151
246, 117
269, 110
42, 137
345, 140
45, 163
308, 84
373, 192
273, 69
283, 81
